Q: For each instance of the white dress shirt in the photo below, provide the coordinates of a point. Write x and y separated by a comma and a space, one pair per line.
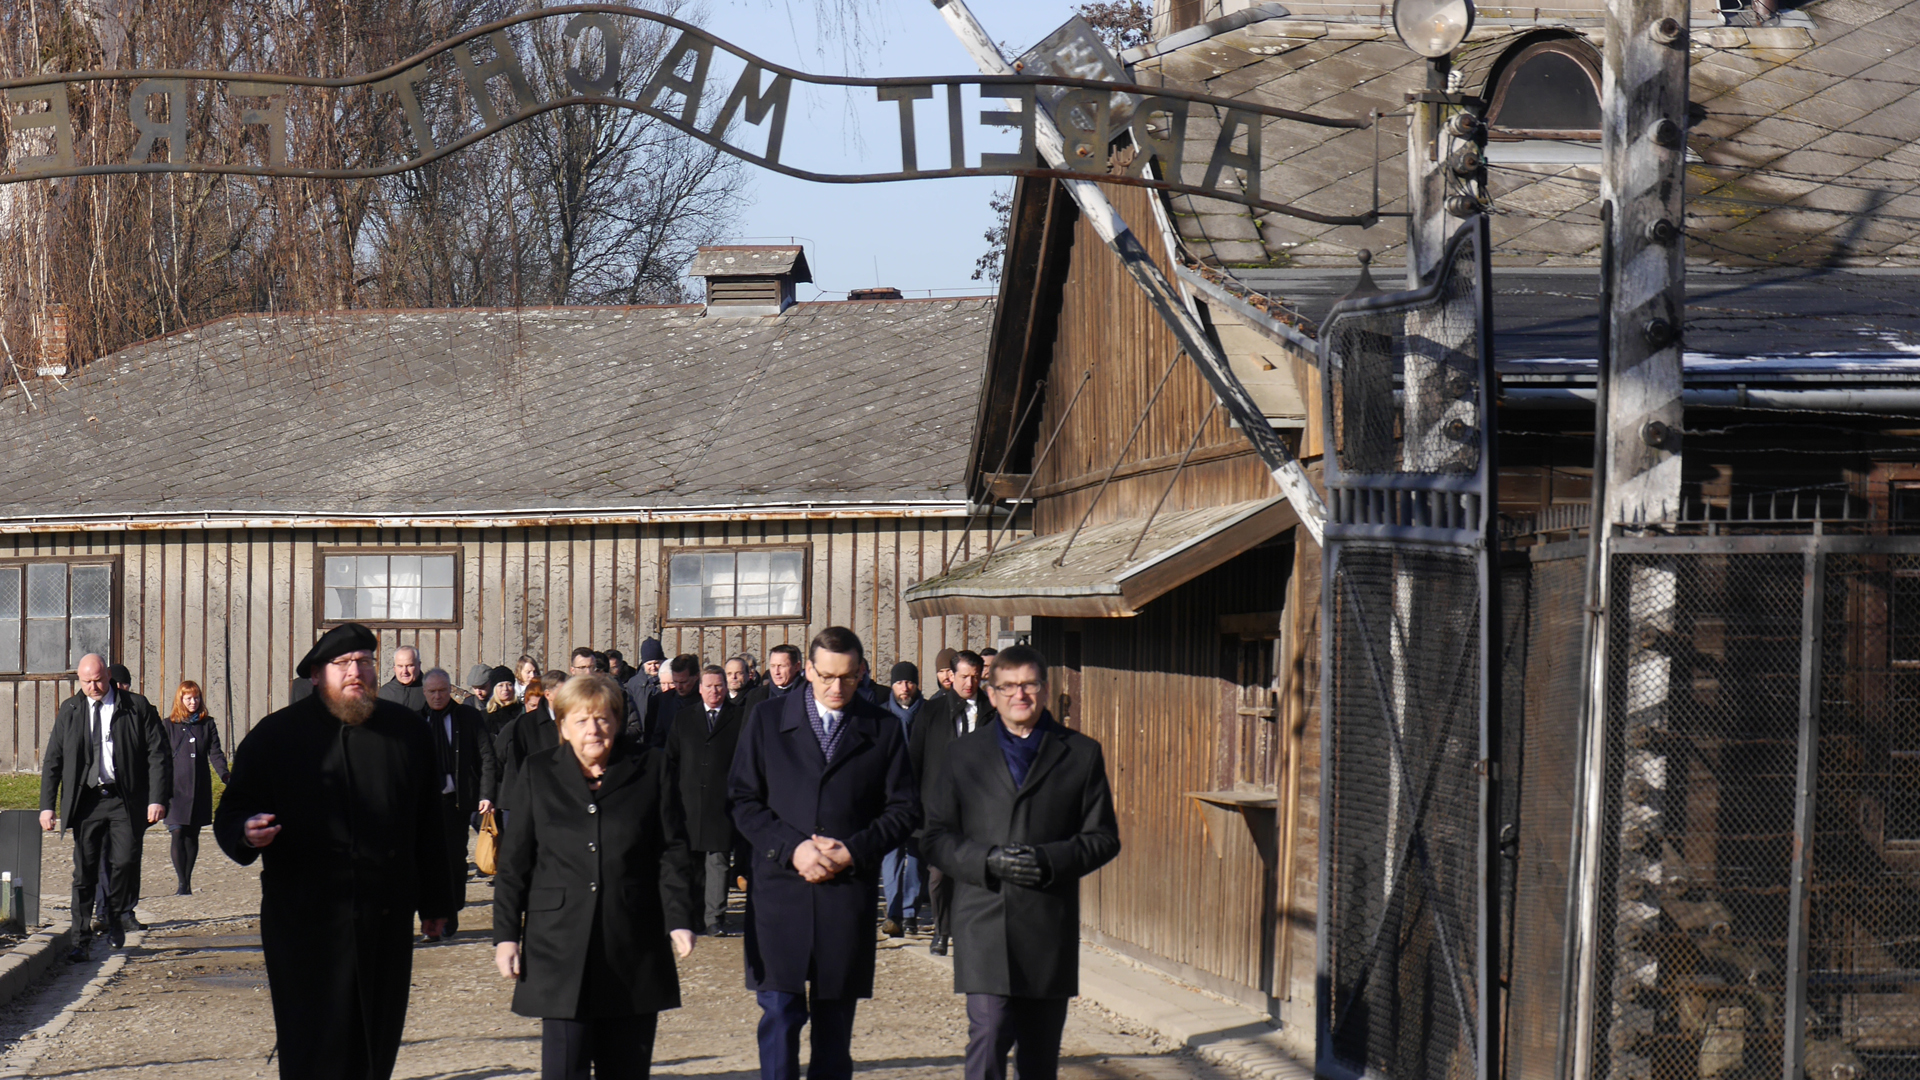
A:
973, 715
105, 726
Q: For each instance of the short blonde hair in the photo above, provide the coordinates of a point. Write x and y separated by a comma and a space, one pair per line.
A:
589, 692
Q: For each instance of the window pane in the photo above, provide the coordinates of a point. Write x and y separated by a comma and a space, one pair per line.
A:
405, 603
47, 591
718, 569
10, 593
716, 605
10, 646
786, 567
1904, 612
684, 570
340, 570
405, 571
371, 603
373, 571
437, 604
339, 605
683, 601
46, 644
90, 635
753, 600
92, 591
784, 600
437, 572
753, 567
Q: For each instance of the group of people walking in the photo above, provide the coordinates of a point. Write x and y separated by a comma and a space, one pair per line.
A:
631, 802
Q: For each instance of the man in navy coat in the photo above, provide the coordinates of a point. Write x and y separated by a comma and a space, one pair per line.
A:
821, 789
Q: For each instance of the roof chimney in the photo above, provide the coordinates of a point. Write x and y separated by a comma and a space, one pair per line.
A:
750, 279
50, 332
878, 292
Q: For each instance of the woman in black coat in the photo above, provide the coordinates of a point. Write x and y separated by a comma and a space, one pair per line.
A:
196, 755
531, 732
591, 903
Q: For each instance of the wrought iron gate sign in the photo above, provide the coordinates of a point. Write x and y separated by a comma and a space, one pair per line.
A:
247, 131
1410, 682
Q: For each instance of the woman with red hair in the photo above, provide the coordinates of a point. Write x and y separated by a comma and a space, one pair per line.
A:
196, 748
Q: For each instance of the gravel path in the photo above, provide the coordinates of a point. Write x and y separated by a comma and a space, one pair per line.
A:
188, 998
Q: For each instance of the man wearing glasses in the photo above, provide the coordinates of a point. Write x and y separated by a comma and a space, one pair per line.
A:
1019, 813
339, 794
821, 789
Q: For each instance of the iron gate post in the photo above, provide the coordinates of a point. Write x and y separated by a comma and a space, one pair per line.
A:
1805, 782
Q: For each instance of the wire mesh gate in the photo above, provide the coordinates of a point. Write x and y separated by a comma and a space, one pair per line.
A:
1760, 864
1409, 717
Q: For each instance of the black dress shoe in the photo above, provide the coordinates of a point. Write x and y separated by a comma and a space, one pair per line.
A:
722, 931
913, 925
117, 936
128, 922
939, 947
79, 954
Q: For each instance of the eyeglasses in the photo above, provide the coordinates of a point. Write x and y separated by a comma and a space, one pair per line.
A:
1026, 689
349, 662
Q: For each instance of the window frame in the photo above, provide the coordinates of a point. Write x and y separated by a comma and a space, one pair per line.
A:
115, 610
1573, 48
667, 552
459, 553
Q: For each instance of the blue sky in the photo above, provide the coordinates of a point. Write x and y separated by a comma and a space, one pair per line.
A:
915, 235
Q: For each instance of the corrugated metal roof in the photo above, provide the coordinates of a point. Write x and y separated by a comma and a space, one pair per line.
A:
492, 411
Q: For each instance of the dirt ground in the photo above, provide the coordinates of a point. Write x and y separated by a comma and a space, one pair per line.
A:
188, 998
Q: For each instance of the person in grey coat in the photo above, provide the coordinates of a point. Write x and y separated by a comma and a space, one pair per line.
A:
197, 756
1020, 811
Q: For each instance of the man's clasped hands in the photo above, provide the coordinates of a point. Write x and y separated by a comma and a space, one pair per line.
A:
821, 859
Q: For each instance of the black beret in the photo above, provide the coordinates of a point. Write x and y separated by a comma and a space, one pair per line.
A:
904, 672
337, 642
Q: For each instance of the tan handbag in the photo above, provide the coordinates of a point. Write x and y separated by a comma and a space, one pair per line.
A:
486, 849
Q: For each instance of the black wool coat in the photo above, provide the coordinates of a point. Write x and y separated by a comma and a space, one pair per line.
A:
1008, 939
411, 695
529, 734
572, 856
475, 773
702, 761
936, 729
142, 756
783, 791
360, 850
195, 746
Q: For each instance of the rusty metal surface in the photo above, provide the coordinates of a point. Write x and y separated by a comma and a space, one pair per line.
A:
746, 100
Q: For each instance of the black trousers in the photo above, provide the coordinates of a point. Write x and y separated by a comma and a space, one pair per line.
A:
186, 852
454, 820
996, 1024
103, 826
617, 1047
940, 887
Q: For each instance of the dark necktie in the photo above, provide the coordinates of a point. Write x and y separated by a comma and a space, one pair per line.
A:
713, 719
443, 748
99, 747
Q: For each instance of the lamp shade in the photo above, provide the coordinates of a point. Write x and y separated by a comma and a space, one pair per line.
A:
1432, 28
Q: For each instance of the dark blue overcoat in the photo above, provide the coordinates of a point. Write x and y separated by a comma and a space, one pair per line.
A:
782, 792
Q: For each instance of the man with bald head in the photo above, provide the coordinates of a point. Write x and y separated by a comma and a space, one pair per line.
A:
106, 764
405, 688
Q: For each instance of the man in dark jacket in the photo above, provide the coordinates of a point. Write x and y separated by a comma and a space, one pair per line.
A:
682, 694
962, 710
702, 752
404, 688
463, 760
642, 685
1020, 813
108, 771
943, 673
339, 794
901, 873
783, 676
122, 680
821, 790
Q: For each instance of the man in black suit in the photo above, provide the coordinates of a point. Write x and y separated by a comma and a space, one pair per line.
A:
783, 676
822, 790
1020, 812
962, 710
702, 753
464, 760
106, 764
681, 695
404, 688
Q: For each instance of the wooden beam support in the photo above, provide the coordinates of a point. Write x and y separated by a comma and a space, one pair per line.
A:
1166, 303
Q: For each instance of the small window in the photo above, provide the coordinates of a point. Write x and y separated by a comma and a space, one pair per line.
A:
1546, 90
390, 588
52, 614
737, 584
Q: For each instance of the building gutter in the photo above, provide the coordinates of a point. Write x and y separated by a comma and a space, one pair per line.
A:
1868, 401
1268, 326
485, 519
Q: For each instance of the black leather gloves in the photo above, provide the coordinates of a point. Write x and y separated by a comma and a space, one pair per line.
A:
1019, 864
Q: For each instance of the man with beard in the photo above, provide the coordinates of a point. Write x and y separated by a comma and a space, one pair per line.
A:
338, 793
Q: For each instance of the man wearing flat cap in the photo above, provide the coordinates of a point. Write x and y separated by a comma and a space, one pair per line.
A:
337, 794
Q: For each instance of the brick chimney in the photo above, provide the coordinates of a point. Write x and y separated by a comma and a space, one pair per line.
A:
878, 292
750, 279
50, 335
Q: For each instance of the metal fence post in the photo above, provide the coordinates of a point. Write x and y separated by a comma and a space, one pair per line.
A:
1811, 625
